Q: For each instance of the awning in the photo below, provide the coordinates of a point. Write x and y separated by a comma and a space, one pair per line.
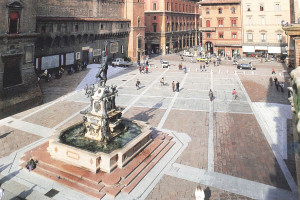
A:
274, 49
261, 48
13, 16
248, 49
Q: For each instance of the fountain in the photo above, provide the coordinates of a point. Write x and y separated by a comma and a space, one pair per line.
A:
102, 140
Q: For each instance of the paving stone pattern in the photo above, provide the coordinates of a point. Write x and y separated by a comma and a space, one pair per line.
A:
178, 189
242, 151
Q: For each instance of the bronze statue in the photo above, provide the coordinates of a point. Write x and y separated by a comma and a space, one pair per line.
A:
103, 70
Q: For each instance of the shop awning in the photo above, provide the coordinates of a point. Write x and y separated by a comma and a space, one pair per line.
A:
248, 49
261, 48
274, 49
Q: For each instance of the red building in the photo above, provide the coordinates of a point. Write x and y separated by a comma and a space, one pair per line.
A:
171, 25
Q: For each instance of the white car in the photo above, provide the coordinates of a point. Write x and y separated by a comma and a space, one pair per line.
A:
165, 64
188, 54
120, 62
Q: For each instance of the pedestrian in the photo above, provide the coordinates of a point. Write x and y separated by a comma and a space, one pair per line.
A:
214, 63
273, 71
234, 94
271, 81
281, 86
276, 83
211, 95
162, 81
161, 60
184, 69
173, 86
1, 192
199, 193
138, 83
140, 68
146, 69
201, 68
177, 86
204, 68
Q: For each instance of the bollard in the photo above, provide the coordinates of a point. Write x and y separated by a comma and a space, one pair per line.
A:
235, 71
244, 72
155, 66
252, 72
279, 74
189, 69
227, 71
219, 71
196, 69
211, 70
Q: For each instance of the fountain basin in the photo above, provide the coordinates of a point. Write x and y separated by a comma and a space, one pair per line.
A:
117, 153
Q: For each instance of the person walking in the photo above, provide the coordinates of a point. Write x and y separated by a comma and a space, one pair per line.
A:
234, 94
271, 80
199, 193
273, 71
281, 86
173, 86
177, 86
214, 63
162, 81
138, 83
276, 83
211, 95
146, 69
140, 68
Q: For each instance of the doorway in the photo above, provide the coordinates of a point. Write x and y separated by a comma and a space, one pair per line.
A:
12, 73
85, 56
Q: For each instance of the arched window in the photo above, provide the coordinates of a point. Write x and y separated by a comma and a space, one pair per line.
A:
207, 11
139, 21
207, 23
14, 16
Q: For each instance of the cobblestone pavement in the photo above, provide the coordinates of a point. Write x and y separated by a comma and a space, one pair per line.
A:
175, 188
227, 146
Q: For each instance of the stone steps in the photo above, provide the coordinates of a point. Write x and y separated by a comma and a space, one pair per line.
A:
100, 184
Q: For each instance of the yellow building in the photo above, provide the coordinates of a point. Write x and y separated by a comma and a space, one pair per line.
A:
262, 32
221, 27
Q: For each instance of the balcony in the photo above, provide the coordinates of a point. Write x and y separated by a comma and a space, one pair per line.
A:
207, 29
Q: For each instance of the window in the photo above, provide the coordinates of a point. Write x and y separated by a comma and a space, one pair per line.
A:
234, 35
250, 37
58, 28
248, 8
207, 35
250, 21
220, 22
139, 22
278, 20
279, 37
154, 28
28, 54
154, 17
233, 23
14, 22
139, 42
102, 26
207, 11
176, 6
220, 10
207, 23
182, 8
122, 49
263, 37
262, 20
261, 7
277, 7
221, 35
76, 27
233, 10
154, 6
167, 5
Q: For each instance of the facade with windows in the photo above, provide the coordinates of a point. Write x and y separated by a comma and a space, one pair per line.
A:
17, 46
171, 25
221, 27
262, 32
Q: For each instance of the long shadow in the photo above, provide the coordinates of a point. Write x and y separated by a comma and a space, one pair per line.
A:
9, 176
26, 193
6, 134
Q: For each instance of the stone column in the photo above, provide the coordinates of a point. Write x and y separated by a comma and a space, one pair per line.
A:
297, 51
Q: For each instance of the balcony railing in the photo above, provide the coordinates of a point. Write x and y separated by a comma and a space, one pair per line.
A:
207, 29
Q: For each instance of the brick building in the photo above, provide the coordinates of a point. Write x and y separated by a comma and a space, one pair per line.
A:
171, 25
221, 27
17, 40
41, 35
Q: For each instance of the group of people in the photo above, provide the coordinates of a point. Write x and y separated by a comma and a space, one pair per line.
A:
144, 69
277, 84
175, 87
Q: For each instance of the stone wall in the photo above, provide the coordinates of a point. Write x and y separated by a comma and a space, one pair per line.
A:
80, 8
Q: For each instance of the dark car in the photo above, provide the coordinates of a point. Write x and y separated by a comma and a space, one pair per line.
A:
245, 66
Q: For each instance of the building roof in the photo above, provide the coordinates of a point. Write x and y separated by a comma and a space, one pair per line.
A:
207, 2
70, 19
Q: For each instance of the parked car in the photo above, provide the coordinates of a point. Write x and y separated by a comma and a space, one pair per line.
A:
188, 54
120, 62
203, 59
165, 64
246, 66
